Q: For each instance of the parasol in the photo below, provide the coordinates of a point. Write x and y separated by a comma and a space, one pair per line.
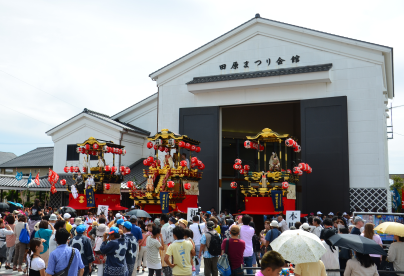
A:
12, 203
139, 213
392, 228
299, 246
357, 243
68, 209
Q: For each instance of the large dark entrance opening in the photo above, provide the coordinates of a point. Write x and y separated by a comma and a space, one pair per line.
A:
248, 120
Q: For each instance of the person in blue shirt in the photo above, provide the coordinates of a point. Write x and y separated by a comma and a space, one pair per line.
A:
60, 257
132, 246
136, 231
114, 247
83, 244
45, 233
272, 234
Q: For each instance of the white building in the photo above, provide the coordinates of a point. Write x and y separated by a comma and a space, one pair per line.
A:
329, 91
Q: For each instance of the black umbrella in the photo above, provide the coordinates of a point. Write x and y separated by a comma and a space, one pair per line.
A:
4, 205
68, 209
357, 243
139, 213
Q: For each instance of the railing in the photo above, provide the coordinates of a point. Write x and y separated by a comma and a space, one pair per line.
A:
381, 272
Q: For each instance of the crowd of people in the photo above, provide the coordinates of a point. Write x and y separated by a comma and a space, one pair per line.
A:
51, 242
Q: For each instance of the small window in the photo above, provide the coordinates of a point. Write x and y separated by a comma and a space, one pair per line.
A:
73, 155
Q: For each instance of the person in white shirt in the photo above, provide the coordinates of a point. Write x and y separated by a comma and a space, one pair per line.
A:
198, 229
318, 227
283, 226
36, 266
52, 241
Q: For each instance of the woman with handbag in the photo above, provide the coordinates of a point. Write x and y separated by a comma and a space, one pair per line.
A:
21, 242
3, 247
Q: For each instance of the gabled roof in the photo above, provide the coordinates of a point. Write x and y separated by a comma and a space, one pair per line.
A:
258, 19
107, 119
6, 156
134, 106
39, 157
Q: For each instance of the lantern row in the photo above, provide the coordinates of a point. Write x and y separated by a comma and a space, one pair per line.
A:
171, 184
150, 161
181, 144
302, 167
285, 185
94, 150
124, 170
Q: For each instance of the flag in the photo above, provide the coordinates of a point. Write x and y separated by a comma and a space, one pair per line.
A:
53, 177
396, 199
37, 179
90, 197
164, 202
18, 176
29, 179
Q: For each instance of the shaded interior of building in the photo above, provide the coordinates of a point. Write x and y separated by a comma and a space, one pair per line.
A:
248, 120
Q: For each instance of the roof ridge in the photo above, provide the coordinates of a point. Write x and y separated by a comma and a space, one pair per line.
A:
96, 113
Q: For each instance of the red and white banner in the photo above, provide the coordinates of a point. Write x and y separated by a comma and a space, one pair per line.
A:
53, 177
37, 179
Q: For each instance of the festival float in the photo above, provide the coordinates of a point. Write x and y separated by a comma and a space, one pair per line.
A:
271, 189
171, 185
99, 184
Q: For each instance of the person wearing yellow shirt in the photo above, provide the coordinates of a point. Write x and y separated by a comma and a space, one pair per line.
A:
67, 217
217, 227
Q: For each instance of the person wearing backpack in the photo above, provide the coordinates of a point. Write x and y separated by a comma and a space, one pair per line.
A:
235, 251
211, 248
21, 242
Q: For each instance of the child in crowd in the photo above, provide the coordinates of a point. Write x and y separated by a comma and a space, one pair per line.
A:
36, 266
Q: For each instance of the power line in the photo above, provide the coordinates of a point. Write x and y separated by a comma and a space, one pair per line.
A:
40, 89
26, 115
396, 106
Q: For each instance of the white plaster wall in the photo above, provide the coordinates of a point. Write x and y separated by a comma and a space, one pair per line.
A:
361, 81
80, 130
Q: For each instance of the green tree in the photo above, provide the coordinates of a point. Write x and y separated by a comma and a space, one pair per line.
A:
398, 183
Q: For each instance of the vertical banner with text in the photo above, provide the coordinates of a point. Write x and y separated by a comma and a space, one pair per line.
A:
277, 200
164, 201
90, 197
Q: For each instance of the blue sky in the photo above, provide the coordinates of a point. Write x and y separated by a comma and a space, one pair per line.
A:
58, 57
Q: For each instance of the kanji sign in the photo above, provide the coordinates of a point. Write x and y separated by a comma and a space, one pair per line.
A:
191, 212
164, 201
292, 217
277, 200
102, 209
90, 197
258, 63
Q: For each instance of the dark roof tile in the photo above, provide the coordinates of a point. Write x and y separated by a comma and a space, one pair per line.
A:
39, 157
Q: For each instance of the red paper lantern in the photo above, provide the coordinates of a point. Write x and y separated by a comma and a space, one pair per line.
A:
194, 159
107, 186
262, 148
289, 142
87, 146
170, 184
187, 186
122, 168
153, 165
127, 170
71, 169
150, 159
84, 169
109, 149
107, 168
105, 148
113, 169
149, 145
236, 166
193, 165
201, 166
233, 185
187, 145
161, 148
247, 144
193, 148
166, 149
237, 161
241, 171
198, 149
246, 167
146, 162
63, 182
53, 190
76, 169
288, 171
96, 146
155, 147
78, 149
183, 163
199, 162
129, 184
285, 185
181, 144
66, 169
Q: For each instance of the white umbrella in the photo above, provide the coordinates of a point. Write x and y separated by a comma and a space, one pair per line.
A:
298, 246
